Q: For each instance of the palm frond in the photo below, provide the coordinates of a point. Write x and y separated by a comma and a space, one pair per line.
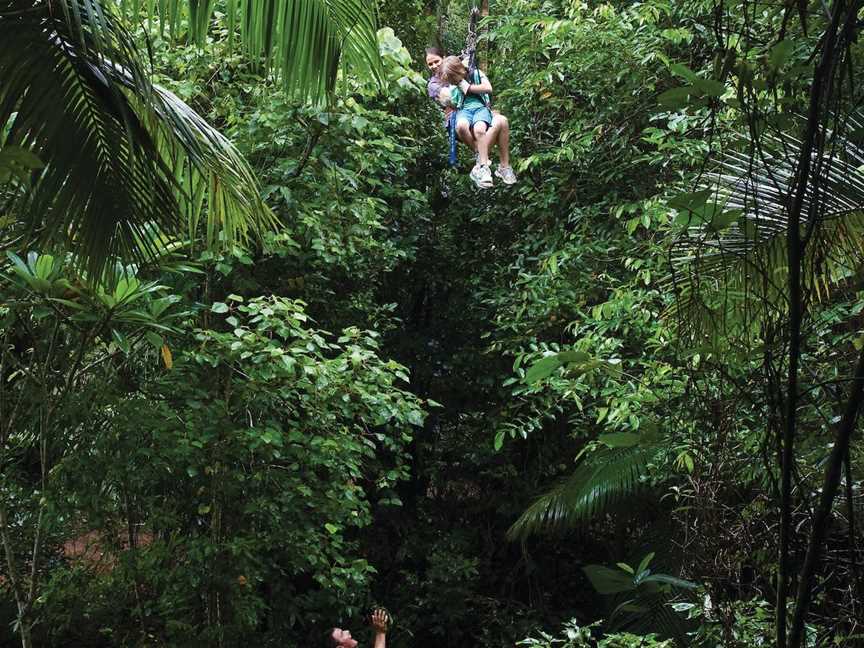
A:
602, 480
120, 154
733, 277
303, 41
656, 616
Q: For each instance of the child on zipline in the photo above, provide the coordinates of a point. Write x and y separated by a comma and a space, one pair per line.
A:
475, 124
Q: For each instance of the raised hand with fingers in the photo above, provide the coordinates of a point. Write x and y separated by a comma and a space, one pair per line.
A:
379, 624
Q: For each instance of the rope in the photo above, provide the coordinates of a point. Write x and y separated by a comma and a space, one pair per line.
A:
470, 50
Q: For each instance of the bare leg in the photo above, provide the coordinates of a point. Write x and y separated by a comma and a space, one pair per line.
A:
500, 134
482, 142
463, 132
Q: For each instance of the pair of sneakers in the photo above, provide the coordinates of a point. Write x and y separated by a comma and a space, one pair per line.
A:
481, 174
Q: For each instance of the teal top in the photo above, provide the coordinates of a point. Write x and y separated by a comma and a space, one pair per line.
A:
471, 101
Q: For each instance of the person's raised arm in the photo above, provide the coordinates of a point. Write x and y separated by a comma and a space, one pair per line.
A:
379, 624
484, 87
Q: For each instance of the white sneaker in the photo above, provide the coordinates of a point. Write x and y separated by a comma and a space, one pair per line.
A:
506, 174
482, 176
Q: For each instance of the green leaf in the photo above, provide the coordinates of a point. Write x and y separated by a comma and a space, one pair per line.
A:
620, 439
546, 366
122, 342
302, 41
541, 369
780, 53
608, 581
499, 440
645, 562
605, 477
685, 72
627, 568
219, 307
690, 201
331, 528
710, 87
20, 156
676, 97
121, 158
725, 218
154, 339
573, 356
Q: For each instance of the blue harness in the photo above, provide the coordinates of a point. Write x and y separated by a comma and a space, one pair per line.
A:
451, 133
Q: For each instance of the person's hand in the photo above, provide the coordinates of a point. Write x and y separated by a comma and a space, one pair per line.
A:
379, 621
464, 85
444, 96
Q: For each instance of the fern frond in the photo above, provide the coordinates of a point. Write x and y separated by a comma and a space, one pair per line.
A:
120, 154
657, 617
733, 280
602, 480
303, 41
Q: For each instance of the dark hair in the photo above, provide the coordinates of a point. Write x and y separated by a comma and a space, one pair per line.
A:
435, 51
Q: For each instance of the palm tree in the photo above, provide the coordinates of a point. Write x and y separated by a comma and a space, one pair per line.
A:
785, 228
121, 156
730, 263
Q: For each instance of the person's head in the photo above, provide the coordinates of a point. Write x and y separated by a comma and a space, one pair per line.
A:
434, 56
452, 70
339, 638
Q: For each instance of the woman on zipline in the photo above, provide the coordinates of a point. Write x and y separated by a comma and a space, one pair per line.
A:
476, 125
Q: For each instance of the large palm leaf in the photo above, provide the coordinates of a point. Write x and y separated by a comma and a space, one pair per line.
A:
731, 266
602, 480
121, 155
303, 41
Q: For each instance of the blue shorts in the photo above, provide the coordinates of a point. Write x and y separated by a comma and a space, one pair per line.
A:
474, 115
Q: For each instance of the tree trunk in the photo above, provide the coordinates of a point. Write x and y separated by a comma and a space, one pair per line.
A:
820, 87
829, 490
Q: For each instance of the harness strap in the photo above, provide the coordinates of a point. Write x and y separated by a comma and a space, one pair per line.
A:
451, 134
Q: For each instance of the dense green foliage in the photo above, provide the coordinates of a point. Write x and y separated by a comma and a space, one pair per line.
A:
498, 413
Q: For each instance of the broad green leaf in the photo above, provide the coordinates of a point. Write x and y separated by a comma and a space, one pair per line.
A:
710, 87
154, 339
499, 440
573, 356
780, 53
541, 369
684, 72
608, 581
725, 218
690, 200
20, 156
546, 366
619, 439
676, 97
